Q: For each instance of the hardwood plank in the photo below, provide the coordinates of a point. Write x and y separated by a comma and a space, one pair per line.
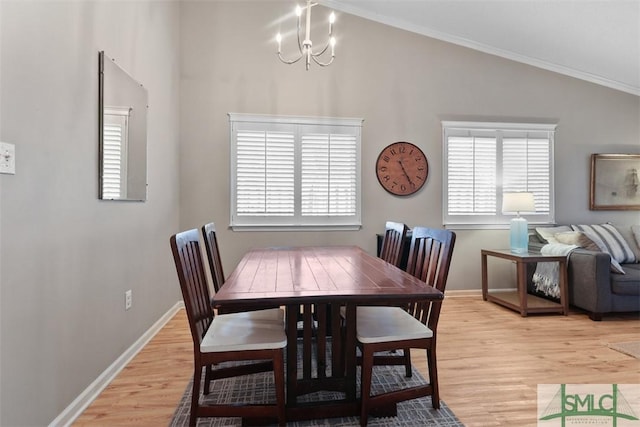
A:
490, 360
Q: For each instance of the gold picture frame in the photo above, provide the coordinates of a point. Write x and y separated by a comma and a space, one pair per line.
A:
614, 182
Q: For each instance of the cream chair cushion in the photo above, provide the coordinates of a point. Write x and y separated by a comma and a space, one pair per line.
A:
382, 324
229, 332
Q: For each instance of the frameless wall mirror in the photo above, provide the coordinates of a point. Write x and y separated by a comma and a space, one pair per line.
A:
122, 134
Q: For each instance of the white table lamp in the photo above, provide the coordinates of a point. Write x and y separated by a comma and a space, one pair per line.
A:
516, 203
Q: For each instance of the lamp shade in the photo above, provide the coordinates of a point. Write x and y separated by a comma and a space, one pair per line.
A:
518, 202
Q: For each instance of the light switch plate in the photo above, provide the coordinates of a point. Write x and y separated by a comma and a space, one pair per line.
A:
7, 158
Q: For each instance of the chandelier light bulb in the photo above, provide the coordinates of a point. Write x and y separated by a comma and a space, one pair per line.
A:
332, 18
298, 11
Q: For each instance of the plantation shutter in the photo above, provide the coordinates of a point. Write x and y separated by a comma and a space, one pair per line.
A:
471, 179
328, 174
483, 160
293, 172
265, 173
526, 163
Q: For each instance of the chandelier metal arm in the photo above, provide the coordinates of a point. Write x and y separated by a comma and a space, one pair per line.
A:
290, 61
324, 49
323, 64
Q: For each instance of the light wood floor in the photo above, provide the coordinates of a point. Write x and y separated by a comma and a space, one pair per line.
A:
490, 361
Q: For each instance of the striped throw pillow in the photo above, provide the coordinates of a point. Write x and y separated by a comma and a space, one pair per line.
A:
609, 240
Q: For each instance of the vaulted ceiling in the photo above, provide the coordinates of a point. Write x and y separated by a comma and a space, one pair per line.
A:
593, 40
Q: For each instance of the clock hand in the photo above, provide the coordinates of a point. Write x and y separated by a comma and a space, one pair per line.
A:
406, 174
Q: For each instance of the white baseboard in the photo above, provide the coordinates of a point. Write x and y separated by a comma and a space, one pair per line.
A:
73, 411
463, 293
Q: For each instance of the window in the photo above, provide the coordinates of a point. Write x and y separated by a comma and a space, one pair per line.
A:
483, 160
295, 172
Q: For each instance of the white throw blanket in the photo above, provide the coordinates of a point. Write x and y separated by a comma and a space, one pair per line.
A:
547, 276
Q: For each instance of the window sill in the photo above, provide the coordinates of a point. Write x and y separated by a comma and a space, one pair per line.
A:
280, 227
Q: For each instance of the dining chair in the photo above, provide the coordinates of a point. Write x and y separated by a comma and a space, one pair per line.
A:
392, 247
391, 250
383, 329
225, 337
217, 278
393, 242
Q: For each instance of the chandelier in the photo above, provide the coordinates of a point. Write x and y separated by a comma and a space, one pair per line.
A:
305, 46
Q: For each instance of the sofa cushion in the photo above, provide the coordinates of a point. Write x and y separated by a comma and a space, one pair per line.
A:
628, 283
609, 240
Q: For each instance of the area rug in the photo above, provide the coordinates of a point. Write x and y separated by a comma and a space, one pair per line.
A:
631, 348
257, 388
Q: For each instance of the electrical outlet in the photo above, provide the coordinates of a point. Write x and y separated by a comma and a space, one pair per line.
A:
128, 300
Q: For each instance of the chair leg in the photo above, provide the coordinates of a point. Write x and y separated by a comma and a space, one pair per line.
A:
407, 362
433, 378
208, 371
365, 390
278, 372
195, 396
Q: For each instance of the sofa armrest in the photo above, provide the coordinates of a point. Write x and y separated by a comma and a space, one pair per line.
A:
590, 280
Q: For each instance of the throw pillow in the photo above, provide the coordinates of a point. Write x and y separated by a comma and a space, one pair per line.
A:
609, 240
547, 233
627, 234
577, 238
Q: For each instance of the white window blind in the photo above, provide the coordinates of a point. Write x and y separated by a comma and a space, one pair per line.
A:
265, 173
294, 172
114, 152
483, 160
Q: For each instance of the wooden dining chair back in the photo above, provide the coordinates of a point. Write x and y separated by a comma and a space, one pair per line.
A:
195, 292
213, 255
224, 338
385, 329
393, 242
217, 278
429, 260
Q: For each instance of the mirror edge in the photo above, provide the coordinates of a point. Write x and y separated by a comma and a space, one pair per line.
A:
100, 121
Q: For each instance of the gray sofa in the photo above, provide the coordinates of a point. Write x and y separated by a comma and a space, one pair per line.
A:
592, 285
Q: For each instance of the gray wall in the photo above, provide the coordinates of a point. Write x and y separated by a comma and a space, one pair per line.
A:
403, 85
67, 257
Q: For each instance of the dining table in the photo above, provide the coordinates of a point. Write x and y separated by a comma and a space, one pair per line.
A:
313, 283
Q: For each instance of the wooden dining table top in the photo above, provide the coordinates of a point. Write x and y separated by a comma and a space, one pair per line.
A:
316, 274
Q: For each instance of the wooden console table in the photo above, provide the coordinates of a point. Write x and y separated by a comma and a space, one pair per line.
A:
520, 300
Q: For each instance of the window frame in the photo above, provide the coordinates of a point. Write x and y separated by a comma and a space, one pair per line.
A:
498, 220
296, 222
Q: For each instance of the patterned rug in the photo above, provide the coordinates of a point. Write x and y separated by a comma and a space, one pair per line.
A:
630, 348
257, 388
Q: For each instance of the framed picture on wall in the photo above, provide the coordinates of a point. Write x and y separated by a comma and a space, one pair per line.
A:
614, 182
